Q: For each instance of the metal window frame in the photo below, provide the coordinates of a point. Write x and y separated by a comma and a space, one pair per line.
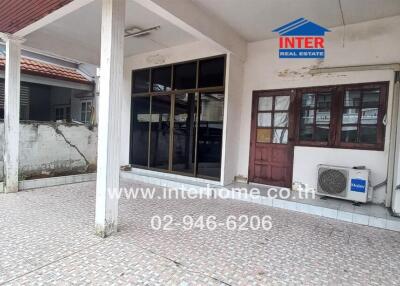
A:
197, 91
337, 109
87, 118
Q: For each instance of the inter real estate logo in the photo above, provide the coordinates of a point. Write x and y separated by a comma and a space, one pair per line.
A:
301, 38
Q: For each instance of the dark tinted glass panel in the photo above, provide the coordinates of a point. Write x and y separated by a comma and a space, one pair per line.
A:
184, 133
306, 133
141, 81
210, 134
67, 113
349, 134
321, 133
211, 72
185, 76
371, 98
352, 98
140, 130
324, 101
161, 79
368, 134
160, 128
308, 100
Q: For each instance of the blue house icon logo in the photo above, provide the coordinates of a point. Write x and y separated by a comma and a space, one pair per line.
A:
301, 38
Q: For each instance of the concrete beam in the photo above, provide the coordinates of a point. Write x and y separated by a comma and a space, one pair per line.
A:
190, 18
54, 16
110, 105
11, 111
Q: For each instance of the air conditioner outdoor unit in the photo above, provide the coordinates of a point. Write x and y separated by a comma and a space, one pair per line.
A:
344, 183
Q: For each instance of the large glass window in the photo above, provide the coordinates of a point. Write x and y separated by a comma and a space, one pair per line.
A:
141, 81
211, 72
161, 79
210, 134
185, 118
160, 131
175, 130
140, 123
185, 76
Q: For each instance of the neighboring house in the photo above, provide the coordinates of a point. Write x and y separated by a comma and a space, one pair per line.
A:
57, 114
51, 92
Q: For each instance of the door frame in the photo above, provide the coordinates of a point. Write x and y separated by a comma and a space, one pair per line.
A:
291, 129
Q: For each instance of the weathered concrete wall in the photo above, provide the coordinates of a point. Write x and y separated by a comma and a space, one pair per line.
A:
53, 147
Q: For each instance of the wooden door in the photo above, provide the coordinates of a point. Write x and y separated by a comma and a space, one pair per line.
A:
272, 131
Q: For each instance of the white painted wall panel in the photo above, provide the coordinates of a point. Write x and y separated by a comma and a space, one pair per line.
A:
306, 160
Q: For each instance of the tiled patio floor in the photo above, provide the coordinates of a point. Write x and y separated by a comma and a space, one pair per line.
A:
47, 237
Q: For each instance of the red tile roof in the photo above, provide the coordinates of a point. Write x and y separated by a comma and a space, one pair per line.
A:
18, 14
34, 67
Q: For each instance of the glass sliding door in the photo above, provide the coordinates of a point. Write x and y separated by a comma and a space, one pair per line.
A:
160, 131
184, 140
177, 117
209, 145
140, 123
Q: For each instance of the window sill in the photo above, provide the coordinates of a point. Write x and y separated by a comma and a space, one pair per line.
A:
342, 146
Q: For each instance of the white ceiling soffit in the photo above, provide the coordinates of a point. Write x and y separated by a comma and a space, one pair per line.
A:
255, 19
77, 35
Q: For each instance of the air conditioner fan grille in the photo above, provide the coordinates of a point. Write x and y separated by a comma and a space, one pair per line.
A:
332, 181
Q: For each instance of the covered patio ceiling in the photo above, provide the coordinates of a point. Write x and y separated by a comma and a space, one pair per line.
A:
77, 35
254, 20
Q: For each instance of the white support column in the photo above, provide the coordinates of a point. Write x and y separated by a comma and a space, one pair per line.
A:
394, 151
11, 112
111, 81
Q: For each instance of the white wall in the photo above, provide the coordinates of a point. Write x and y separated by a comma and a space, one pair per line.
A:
233, 92
374, 42
396, 180
53, 147
306, 160
176, 54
